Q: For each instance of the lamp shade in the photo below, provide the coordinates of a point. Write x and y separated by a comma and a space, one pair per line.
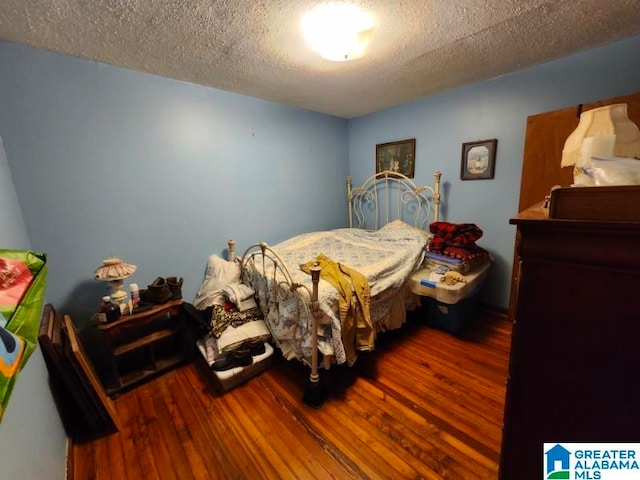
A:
115, 270
607, 120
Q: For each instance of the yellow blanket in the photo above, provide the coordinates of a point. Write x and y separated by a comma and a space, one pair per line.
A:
354, 301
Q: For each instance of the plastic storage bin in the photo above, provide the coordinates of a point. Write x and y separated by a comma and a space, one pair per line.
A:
450, 317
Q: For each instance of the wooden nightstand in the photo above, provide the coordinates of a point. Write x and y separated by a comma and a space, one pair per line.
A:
145, 344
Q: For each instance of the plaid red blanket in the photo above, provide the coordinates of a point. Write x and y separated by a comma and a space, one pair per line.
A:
456, 240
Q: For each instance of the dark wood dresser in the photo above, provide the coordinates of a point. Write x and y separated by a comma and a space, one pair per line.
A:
574, 373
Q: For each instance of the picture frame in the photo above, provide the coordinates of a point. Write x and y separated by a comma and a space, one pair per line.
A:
478, 160
397, 157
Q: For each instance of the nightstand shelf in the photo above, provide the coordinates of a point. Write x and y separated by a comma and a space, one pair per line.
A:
146, 344
141, 342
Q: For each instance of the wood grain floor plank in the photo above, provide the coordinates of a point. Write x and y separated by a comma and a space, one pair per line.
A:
202, 461
85, 461
424, 404
420, 438
144, 443
117, 465
128, 412
164, 444
286, 437
231, 450
287, 391
440, 408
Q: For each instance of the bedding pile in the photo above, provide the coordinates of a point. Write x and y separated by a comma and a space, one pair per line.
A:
233, 317
454, 245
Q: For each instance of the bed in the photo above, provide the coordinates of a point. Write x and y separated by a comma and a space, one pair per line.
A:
308, 316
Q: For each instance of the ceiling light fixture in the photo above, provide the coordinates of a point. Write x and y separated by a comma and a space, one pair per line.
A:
338, 31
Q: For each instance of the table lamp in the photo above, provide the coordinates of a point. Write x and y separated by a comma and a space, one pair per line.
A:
603, 131
114, 271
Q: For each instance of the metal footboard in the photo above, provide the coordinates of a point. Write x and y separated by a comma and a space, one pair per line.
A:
261, 260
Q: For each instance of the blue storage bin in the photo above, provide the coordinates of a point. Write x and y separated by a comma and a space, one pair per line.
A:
452, 318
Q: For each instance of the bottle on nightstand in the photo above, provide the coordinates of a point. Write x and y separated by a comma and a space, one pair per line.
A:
101, 314
112, 310
134, 296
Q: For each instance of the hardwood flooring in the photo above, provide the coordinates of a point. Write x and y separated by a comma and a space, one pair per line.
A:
425, 404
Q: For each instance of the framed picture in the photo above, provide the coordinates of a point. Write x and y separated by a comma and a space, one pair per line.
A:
398, 157
478, 159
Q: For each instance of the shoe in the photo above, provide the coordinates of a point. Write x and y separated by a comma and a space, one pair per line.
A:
223, 363
158, 292
175, 286
256, 347
240, 357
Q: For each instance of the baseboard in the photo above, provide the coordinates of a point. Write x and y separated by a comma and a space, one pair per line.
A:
499, 311
70, 461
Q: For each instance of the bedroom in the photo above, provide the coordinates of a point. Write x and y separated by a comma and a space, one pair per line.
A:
107, 160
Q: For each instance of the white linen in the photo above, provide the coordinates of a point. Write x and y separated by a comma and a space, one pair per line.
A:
219, 274
240, 295
234, 336
385, 257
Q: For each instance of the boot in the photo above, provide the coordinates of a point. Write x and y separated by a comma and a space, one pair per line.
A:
256, 347
175, 286
240, 357
158, 292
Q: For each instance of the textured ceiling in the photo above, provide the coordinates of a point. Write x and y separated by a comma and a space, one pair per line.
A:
255, 47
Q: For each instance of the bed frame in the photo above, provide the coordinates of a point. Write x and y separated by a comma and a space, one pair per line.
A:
382, 198
387, 192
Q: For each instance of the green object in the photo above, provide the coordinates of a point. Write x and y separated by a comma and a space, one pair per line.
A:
23, 319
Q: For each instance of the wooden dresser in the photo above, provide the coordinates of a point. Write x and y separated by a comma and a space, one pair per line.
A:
575, 353
544, 141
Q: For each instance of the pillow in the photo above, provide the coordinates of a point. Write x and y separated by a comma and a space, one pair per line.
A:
401, 224
218, 275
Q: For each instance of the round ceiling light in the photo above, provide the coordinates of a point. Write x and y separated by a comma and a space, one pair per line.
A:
338, 31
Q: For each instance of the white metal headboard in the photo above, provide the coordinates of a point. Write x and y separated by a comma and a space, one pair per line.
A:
387, 192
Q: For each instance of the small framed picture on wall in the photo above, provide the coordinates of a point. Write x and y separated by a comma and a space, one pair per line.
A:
397, 157
478, 160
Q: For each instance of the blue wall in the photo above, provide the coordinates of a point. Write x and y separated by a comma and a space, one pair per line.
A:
32, 440
108, 161
494, 109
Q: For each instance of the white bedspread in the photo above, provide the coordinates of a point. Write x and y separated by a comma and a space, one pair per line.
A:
385, 257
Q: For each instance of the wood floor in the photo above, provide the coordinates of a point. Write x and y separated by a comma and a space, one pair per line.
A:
425, 404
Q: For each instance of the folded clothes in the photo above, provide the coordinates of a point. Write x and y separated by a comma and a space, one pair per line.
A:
233, 337
458, 259
241, 295
441, 258
453, 234
461, 233
466, 254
